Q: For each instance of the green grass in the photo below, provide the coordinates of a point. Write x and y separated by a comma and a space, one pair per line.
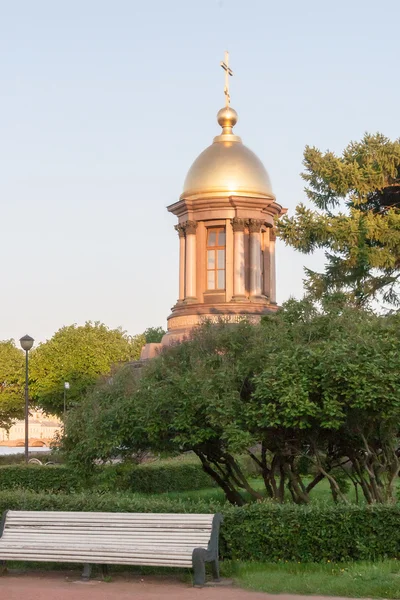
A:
352, 580
321, 493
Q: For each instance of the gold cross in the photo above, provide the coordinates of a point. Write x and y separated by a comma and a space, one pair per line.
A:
228, 71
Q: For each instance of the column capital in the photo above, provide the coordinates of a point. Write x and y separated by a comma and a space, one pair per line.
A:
181, 230
255, 225
190, 227
272, 234
238, 224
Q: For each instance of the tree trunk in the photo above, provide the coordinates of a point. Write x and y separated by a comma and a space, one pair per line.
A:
232, 495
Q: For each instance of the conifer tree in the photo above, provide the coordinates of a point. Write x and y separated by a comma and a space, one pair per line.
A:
355, 219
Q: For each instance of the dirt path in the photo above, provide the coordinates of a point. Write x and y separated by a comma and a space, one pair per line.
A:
62, 586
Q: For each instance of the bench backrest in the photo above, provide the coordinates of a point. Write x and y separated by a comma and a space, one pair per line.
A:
151, 530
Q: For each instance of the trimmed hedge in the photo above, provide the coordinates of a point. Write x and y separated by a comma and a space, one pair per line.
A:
260, 531
39, 479
103, 502
314, 533
152, 478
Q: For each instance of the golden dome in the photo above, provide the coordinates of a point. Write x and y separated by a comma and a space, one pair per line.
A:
227, 167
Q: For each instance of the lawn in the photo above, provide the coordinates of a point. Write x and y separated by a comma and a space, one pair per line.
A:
353, 580
321, 493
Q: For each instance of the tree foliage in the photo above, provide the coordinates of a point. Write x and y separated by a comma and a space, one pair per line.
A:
355, 218
11, 383
78, 355
303, 384
154, 335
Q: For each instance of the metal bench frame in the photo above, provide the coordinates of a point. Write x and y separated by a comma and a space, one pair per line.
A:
200, 556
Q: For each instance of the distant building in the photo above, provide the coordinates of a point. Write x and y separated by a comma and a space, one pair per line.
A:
42, 430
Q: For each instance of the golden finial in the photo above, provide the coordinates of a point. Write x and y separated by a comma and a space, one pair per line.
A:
228, 72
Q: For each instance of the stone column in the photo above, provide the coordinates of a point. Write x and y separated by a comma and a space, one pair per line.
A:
267, 269
272, 277
190, 230
239, 271
255, 257
182, 250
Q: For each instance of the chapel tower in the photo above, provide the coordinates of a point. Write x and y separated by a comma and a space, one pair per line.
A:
226, 233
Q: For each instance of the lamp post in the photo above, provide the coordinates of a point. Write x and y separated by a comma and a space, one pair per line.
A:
66, 387
26, 344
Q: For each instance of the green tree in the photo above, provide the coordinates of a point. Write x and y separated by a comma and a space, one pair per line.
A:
304, 383
154, 335
355, 218
78, 355
11, 383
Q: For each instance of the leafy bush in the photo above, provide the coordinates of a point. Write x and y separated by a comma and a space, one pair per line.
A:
106, 502
270, 532
257, 532
148, 479
321, 381
39, 479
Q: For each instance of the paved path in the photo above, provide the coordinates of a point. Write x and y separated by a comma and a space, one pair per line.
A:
62, 586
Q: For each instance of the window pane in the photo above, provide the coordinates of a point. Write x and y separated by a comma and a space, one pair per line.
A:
211, 280
221, 280
221, 238
220, 259
212, 237
210, 259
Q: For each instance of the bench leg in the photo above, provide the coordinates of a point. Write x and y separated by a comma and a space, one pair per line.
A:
104, 571
3, 567
215, 570
87, 570
199, 566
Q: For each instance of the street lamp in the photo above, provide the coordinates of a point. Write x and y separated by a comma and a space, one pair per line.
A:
26, 344
66, 387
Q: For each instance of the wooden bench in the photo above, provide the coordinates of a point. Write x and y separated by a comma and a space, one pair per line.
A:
167, 540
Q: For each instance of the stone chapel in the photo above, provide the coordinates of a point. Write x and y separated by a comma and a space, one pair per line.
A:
226, 235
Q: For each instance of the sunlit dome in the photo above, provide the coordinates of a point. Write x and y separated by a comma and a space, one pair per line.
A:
227, 167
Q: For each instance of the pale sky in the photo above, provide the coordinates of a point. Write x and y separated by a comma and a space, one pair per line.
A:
105, 104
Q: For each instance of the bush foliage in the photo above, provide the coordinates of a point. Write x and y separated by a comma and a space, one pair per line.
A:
146, 479
273, 532
259, 531
314, 383
39, 479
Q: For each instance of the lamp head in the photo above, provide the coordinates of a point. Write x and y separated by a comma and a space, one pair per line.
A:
26, 342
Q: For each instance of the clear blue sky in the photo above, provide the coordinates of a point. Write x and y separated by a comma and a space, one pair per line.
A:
105, 104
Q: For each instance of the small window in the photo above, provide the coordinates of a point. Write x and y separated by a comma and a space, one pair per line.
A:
216, 258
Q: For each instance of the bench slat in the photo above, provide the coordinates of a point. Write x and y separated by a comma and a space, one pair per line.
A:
93, 516
100, 561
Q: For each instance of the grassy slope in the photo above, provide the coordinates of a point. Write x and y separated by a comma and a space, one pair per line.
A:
354, 580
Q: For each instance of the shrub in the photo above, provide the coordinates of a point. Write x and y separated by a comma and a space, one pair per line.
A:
39, 479
270, 532
148, 479
106, 502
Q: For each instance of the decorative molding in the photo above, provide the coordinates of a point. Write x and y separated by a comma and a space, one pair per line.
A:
193, 320
238, 224
255, 225
190, 227
181, 230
